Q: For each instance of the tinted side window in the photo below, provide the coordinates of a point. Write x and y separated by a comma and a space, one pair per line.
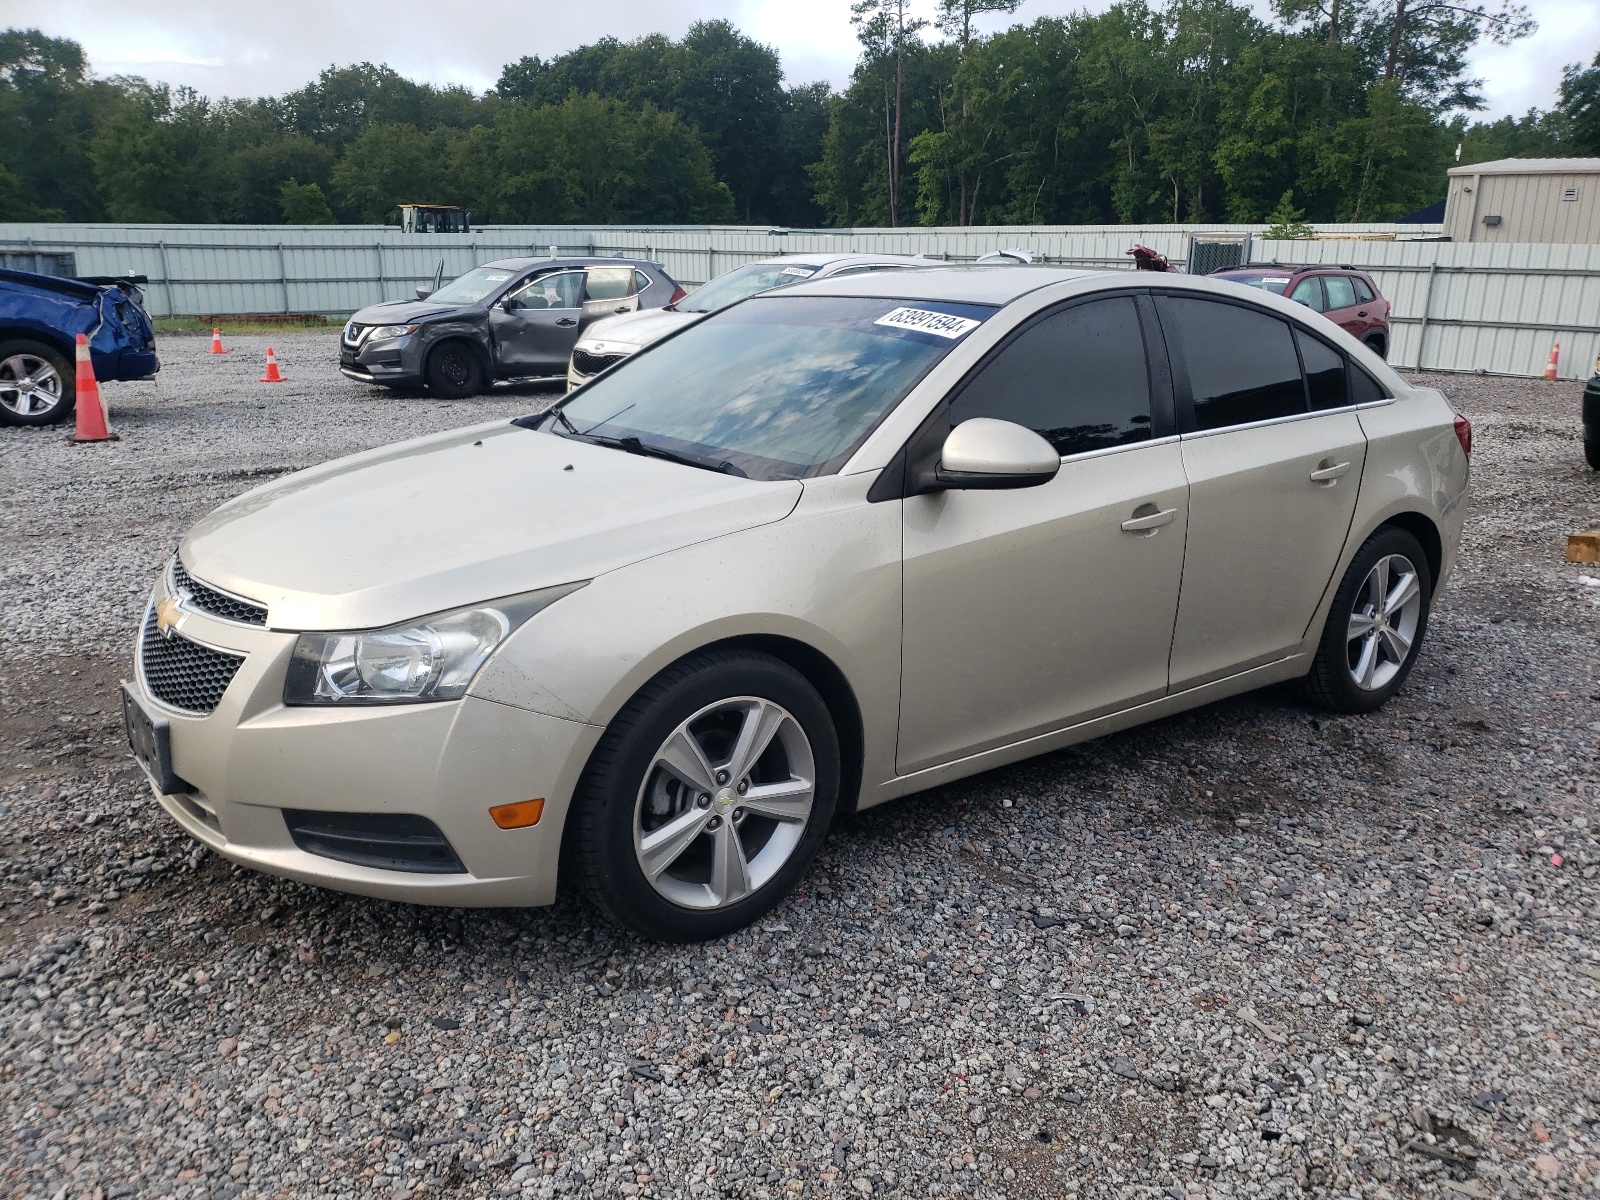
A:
610, 283
1242, 364
1364, 294
1364, 389
1341, 292
1325, 374
1309, 293
1077, 378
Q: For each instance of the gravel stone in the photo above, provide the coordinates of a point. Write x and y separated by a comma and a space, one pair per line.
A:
1253, 951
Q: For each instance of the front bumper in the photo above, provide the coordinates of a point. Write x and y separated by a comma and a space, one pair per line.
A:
389, 365
252, 758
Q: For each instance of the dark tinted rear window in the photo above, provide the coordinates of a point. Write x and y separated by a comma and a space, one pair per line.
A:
1364, 389
1325, 374
1242, 365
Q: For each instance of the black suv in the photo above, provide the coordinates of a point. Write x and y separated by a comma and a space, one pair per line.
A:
517, 318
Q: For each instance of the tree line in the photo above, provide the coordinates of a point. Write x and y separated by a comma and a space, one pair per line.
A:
1177, 110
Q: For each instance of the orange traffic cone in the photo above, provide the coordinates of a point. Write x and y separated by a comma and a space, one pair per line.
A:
272, 375
1555, 360
92, 425
216, 341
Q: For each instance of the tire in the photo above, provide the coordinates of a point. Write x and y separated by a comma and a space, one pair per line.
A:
455, 371
37, 385
1343, 677
1591, 452
1379, 347
693, 715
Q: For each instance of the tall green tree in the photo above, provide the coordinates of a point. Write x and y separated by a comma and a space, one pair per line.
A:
1580, 108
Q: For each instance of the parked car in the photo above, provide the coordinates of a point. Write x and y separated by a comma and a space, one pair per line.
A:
610, 341
1347, 297
829, 546
1591, 418
513, 319
41, 317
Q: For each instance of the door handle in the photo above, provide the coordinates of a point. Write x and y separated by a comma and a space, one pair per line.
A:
564, 321
1329, 472
625, 308
1147, 518
1362, 313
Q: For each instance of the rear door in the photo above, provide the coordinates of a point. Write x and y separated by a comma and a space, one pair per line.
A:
1030, 609
535, 326
1344, 307
1272, 484
607, 292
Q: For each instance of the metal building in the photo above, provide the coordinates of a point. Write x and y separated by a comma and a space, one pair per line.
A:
1525, 200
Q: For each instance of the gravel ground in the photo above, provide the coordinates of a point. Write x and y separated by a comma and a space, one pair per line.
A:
1252, 951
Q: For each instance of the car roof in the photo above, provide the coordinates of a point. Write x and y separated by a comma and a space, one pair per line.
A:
834, 259
524, 264
1255, 270
953, 284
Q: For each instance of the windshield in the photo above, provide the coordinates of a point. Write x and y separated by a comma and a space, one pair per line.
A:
473, 286
1267, 283
783, 387
741, 282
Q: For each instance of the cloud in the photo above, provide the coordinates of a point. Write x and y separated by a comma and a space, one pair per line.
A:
224, 49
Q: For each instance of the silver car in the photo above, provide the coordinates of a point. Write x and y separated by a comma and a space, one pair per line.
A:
608, 342
825, 548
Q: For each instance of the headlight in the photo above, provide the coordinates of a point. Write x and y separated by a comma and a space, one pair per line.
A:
432, 658
385, 332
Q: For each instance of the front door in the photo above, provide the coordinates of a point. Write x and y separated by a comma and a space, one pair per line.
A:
534, 326
1029, 610
1272, 484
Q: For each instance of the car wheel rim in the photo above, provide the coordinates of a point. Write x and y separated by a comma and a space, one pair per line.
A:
724, 803
29, 385
1383, 622
455, 370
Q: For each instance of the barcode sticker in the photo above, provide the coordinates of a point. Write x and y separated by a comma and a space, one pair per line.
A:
803, 272
921, 320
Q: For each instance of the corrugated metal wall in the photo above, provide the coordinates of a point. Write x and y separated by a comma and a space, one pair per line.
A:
1457, 307
1531, 207
1473, 307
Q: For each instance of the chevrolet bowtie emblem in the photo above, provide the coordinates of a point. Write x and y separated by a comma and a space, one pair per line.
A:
169, 615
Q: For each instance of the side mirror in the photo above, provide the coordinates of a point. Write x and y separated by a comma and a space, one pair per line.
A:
424, 291
988, 453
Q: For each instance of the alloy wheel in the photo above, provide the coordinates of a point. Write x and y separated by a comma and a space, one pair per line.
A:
1383, 622
29, 385
724, 803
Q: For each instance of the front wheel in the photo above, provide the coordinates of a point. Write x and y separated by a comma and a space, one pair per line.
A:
455, 371
707, 798
37, 385
1375, 627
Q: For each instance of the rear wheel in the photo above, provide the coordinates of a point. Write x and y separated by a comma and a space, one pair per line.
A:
1591, 451
708, 797
455, 370
1378, 346
36, 384
1375, 627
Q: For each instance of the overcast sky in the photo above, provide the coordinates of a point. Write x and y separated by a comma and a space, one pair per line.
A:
217, 48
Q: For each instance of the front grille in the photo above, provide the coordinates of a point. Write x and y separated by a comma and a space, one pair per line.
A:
593, 364
218, 604
182, 673
388, 841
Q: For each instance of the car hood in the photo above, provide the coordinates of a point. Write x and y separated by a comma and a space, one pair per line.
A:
404, 312
459, 518
637, 328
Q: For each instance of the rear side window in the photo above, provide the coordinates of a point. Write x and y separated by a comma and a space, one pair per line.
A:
1077, 378
1364, 389
1242, 364
1364, 294
1326, 380
1309, 292
1341, 291
610, 283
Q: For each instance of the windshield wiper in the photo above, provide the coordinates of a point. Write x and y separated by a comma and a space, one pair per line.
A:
634, 446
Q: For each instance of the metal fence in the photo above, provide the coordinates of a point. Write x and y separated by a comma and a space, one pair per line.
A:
1457, 307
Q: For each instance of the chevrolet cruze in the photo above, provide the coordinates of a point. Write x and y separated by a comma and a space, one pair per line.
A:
827, 547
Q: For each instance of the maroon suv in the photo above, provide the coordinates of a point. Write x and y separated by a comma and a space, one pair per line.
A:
1344, 295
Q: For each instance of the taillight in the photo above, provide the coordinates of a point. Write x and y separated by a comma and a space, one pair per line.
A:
1464, 435
679, 294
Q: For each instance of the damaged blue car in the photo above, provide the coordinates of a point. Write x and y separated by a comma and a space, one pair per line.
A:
41, 317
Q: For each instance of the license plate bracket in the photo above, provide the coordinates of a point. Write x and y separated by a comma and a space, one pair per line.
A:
150, 739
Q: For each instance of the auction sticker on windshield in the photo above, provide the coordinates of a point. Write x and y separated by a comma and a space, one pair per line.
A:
923, 321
